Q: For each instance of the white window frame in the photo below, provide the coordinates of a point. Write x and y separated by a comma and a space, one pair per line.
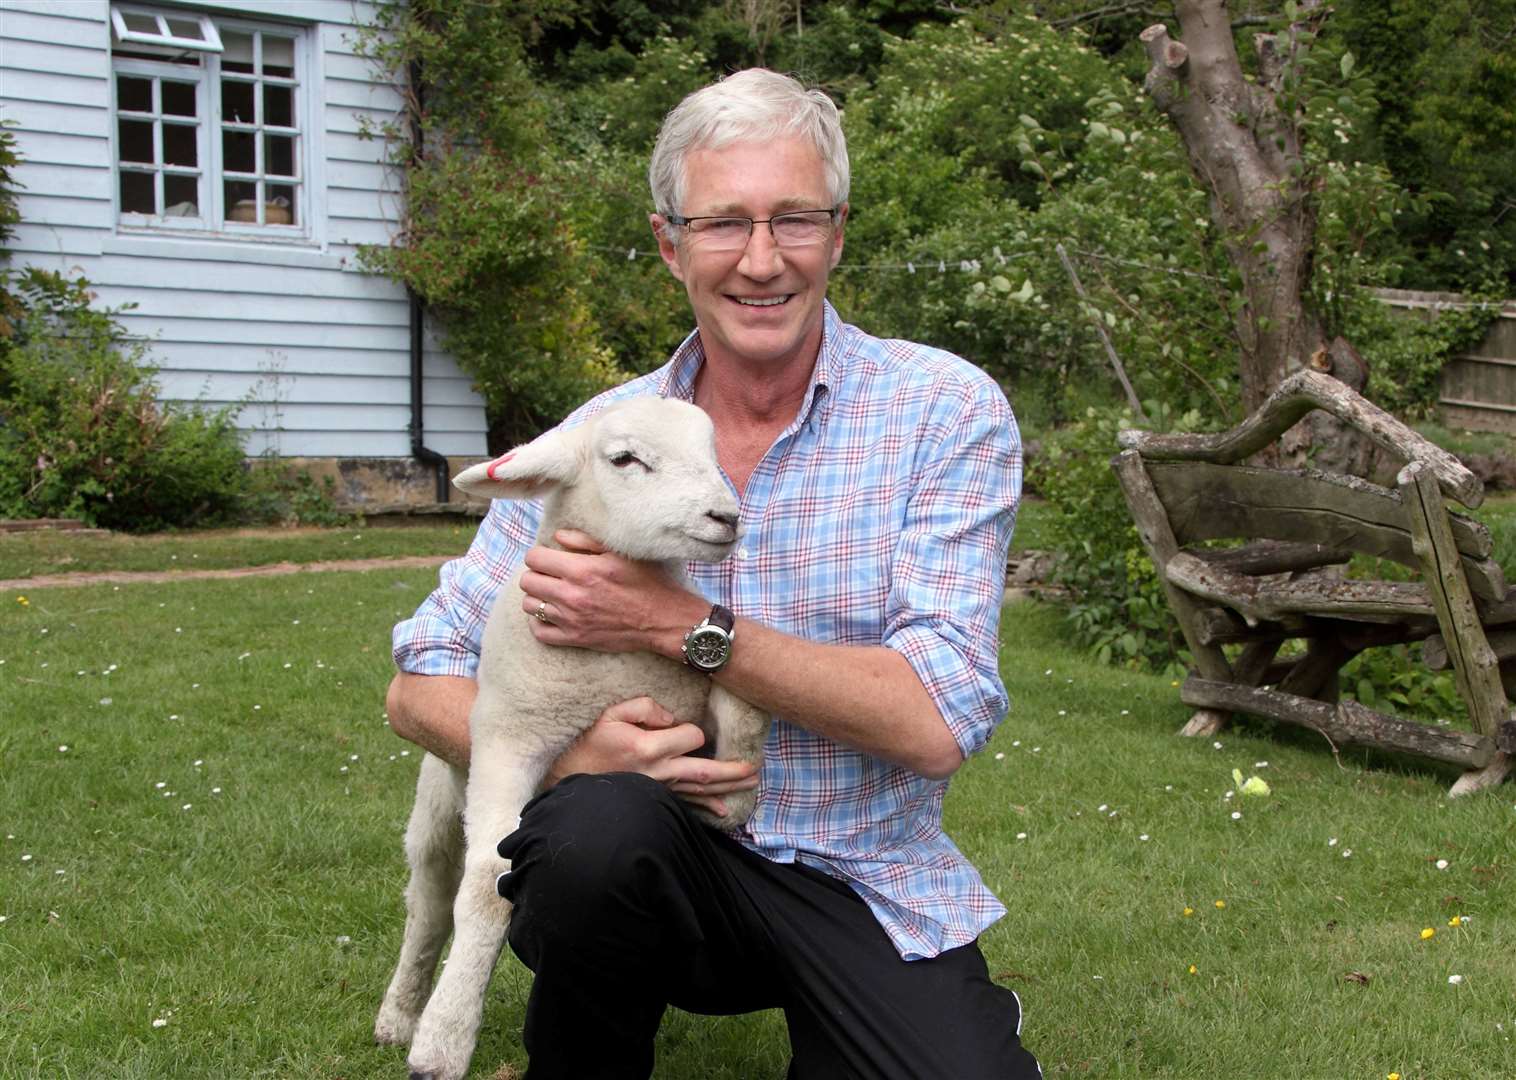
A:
208, 41
207, 75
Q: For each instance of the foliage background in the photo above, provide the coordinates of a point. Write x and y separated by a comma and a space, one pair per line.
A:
983, 135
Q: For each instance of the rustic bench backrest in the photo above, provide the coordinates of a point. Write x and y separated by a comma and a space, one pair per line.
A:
1220, 502
1186, 491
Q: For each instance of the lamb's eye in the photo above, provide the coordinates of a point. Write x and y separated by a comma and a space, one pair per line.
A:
625, 458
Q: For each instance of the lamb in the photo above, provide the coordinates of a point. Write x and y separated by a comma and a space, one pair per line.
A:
642, 478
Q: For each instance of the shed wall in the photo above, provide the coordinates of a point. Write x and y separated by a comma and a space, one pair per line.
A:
318, 349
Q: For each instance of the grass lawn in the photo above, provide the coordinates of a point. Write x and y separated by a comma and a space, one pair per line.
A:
200, 873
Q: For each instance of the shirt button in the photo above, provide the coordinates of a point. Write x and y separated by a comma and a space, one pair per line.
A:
742, 553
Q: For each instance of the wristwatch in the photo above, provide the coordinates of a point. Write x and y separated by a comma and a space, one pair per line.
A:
708, 645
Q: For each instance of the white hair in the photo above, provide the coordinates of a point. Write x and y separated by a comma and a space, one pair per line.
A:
752, 104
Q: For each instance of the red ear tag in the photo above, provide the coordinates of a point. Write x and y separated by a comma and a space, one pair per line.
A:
499, 461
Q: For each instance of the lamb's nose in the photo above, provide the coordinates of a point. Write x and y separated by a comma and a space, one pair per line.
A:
729, 520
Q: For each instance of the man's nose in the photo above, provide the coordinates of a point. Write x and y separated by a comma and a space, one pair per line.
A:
761, 259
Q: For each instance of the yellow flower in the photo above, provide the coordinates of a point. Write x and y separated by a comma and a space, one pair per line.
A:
1427, 934
1220, 903
1456, 920
1193, 969
1188, 912
23, 601
1393, 1076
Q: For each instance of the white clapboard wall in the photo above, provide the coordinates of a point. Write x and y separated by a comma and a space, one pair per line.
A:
318, 349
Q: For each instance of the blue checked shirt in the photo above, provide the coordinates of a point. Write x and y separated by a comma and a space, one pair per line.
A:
882, 515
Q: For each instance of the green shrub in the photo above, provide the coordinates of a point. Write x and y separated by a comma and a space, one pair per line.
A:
281, 495
1395, 680
1117, 608
81, 434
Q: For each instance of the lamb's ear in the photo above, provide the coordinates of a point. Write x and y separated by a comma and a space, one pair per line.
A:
527, 471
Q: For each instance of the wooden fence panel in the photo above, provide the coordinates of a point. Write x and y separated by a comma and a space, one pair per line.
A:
1478, 388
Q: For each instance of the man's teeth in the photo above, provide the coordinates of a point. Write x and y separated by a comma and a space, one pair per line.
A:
753, 302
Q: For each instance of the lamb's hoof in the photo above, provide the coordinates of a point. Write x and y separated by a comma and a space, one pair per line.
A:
436, 1070
394, 1029
388, 1036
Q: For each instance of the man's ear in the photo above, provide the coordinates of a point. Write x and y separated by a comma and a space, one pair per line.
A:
837, 235
666, 246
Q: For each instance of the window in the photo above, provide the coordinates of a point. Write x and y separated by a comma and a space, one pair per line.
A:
210, 123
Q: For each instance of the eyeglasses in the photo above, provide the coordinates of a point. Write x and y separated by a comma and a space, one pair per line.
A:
799, 228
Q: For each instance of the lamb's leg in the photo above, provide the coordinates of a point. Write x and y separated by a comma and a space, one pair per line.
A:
434, 850
449, 1027
740, 732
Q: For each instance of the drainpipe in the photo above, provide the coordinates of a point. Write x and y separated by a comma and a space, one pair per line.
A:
419, 450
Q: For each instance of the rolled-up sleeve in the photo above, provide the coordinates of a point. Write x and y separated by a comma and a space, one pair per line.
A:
948, 578
443, 637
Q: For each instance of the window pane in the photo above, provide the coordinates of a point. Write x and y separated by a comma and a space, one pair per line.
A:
278, 56
279, 155
281, 206
136, 140
134, 95
239, 151
279, 106
178, 98
237, 102
237, 54
180, 195
179, 145
241, 200
143, 24
185, 28
137, 193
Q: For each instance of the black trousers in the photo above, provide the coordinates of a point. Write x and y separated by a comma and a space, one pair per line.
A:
625, 904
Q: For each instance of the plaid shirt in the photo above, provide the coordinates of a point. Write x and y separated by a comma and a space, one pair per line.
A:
882, 515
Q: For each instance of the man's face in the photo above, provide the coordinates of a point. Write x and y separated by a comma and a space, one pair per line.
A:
734, 293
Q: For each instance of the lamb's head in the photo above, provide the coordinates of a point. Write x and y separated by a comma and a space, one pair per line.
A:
641, 477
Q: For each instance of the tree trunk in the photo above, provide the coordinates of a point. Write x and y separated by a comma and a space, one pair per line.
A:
1245, 148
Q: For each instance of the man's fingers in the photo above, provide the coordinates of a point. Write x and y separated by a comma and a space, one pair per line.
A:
574, 540
642, 711
709, 776
670, 744
710, 803
726, 787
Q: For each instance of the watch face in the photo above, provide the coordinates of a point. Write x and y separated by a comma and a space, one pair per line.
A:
708, 647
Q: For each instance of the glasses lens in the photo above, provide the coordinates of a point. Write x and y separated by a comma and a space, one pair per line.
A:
721, 234
798, 230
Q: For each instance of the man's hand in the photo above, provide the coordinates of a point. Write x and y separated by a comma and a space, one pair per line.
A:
641, 736
594, 599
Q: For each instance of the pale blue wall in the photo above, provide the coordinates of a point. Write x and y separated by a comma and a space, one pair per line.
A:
323, 347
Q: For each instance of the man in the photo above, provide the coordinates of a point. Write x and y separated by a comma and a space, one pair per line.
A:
878, 482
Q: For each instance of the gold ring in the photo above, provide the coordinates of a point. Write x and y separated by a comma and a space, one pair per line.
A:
541, 613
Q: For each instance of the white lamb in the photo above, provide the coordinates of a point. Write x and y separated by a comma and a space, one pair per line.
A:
641, 478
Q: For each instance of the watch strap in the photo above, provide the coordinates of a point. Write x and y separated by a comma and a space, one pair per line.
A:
722, 617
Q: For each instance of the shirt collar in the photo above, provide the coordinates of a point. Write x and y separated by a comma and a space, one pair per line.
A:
679, 375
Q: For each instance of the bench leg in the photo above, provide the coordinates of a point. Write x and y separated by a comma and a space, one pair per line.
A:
1474, 780
1204, 724
1249, 670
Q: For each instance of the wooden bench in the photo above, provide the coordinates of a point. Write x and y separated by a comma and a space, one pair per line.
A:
1238, 605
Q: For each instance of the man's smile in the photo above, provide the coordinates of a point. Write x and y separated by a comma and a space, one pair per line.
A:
763, 301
